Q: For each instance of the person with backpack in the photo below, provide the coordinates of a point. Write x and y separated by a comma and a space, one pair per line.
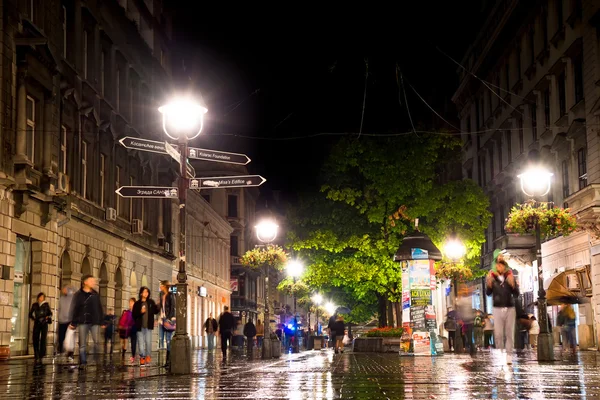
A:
250, 333
450, 325
501, 284
478, 325
64, 319
226, 326
126, 323
42, 316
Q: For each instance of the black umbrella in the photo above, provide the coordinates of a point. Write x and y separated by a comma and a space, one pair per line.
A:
342, 310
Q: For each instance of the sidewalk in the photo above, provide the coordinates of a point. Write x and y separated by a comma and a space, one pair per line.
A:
314, 375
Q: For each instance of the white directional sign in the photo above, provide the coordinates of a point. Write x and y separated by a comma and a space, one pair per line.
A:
143, 144
176, 155
218, 156
148, 192
227, 182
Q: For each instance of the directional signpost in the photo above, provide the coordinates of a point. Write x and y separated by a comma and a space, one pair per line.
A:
243, 181
148, 192
218, 156
143, 144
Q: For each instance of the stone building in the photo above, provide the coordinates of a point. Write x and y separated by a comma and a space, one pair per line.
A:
76, 77
530, 82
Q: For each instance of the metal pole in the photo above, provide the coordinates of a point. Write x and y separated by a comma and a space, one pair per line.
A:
180, 345
266, 350
295, 348
545, 350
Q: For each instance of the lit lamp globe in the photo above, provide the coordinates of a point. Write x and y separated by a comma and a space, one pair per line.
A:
317, 299
183, 118
295, 268
330, 308
266, 231
454, 249
536, 181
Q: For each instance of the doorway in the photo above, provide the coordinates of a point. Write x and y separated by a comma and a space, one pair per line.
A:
22, 294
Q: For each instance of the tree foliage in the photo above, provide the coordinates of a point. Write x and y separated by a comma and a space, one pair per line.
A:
372, 191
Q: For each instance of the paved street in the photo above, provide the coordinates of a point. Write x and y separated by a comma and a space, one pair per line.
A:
313, 375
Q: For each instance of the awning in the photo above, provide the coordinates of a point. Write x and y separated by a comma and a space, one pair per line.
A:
572, 286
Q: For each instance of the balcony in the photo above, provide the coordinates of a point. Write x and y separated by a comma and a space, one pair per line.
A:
519, 246
585, 205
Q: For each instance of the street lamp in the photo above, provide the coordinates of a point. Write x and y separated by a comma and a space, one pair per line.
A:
330, 308
317, 299
295, 269
536, 182
266, 232
182, 120
454, 249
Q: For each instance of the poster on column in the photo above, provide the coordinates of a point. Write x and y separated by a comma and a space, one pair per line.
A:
419, 272
420, 297
417, 318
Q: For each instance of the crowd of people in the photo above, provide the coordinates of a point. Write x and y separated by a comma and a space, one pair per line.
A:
472, 330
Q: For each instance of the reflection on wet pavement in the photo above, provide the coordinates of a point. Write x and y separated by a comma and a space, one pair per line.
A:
312, 375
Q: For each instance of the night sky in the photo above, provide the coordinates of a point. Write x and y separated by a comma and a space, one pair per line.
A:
271, 74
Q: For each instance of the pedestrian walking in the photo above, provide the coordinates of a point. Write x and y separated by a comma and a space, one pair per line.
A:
339, 328
133, 333
126, 324
226, 326
210, 327
478, 326
41, 315
144, 312
502, 286
260, 334
567, 322
167, 318
488, 331
331, 331
450, 325
109, 329
87, 316
467, 316
534, 331
250, 333
64, 319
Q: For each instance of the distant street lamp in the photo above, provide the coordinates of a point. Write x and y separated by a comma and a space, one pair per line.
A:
183, 120
295, 269
266, 232
330, 308
536, 181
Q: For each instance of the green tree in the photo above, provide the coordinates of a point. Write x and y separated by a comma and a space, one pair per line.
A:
372, 191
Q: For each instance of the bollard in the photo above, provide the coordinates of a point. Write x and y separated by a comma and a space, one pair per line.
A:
275, 348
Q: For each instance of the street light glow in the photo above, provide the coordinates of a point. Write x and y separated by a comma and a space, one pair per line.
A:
295, 268
454, 249
330, 308
536, 181
317, 299
183, 117
266, 231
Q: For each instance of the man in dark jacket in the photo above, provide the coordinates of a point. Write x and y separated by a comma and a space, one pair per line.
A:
144, 311
210, 327
167, 315
503, 288
87, 316
250, 332
226, 325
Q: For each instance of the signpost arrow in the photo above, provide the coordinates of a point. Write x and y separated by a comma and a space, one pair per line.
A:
143, 144
148, 192
243, 181
218, 156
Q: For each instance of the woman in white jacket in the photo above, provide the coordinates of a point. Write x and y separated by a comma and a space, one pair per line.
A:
534, 331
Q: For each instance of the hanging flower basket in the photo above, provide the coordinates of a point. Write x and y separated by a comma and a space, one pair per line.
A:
271, 255
553, 221
451, 271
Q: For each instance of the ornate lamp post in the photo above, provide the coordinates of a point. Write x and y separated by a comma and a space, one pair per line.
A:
295, 269
266, 232
182, 120
454, 249
536, 181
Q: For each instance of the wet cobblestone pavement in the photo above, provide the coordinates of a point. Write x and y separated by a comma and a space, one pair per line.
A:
313, 375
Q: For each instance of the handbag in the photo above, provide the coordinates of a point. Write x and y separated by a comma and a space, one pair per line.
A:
69, 343
169, 325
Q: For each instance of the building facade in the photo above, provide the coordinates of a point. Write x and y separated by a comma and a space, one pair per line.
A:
530, 83
76, 77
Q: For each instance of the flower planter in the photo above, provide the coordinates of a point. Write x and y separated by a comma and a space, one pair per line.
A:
391, 344
368, 345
